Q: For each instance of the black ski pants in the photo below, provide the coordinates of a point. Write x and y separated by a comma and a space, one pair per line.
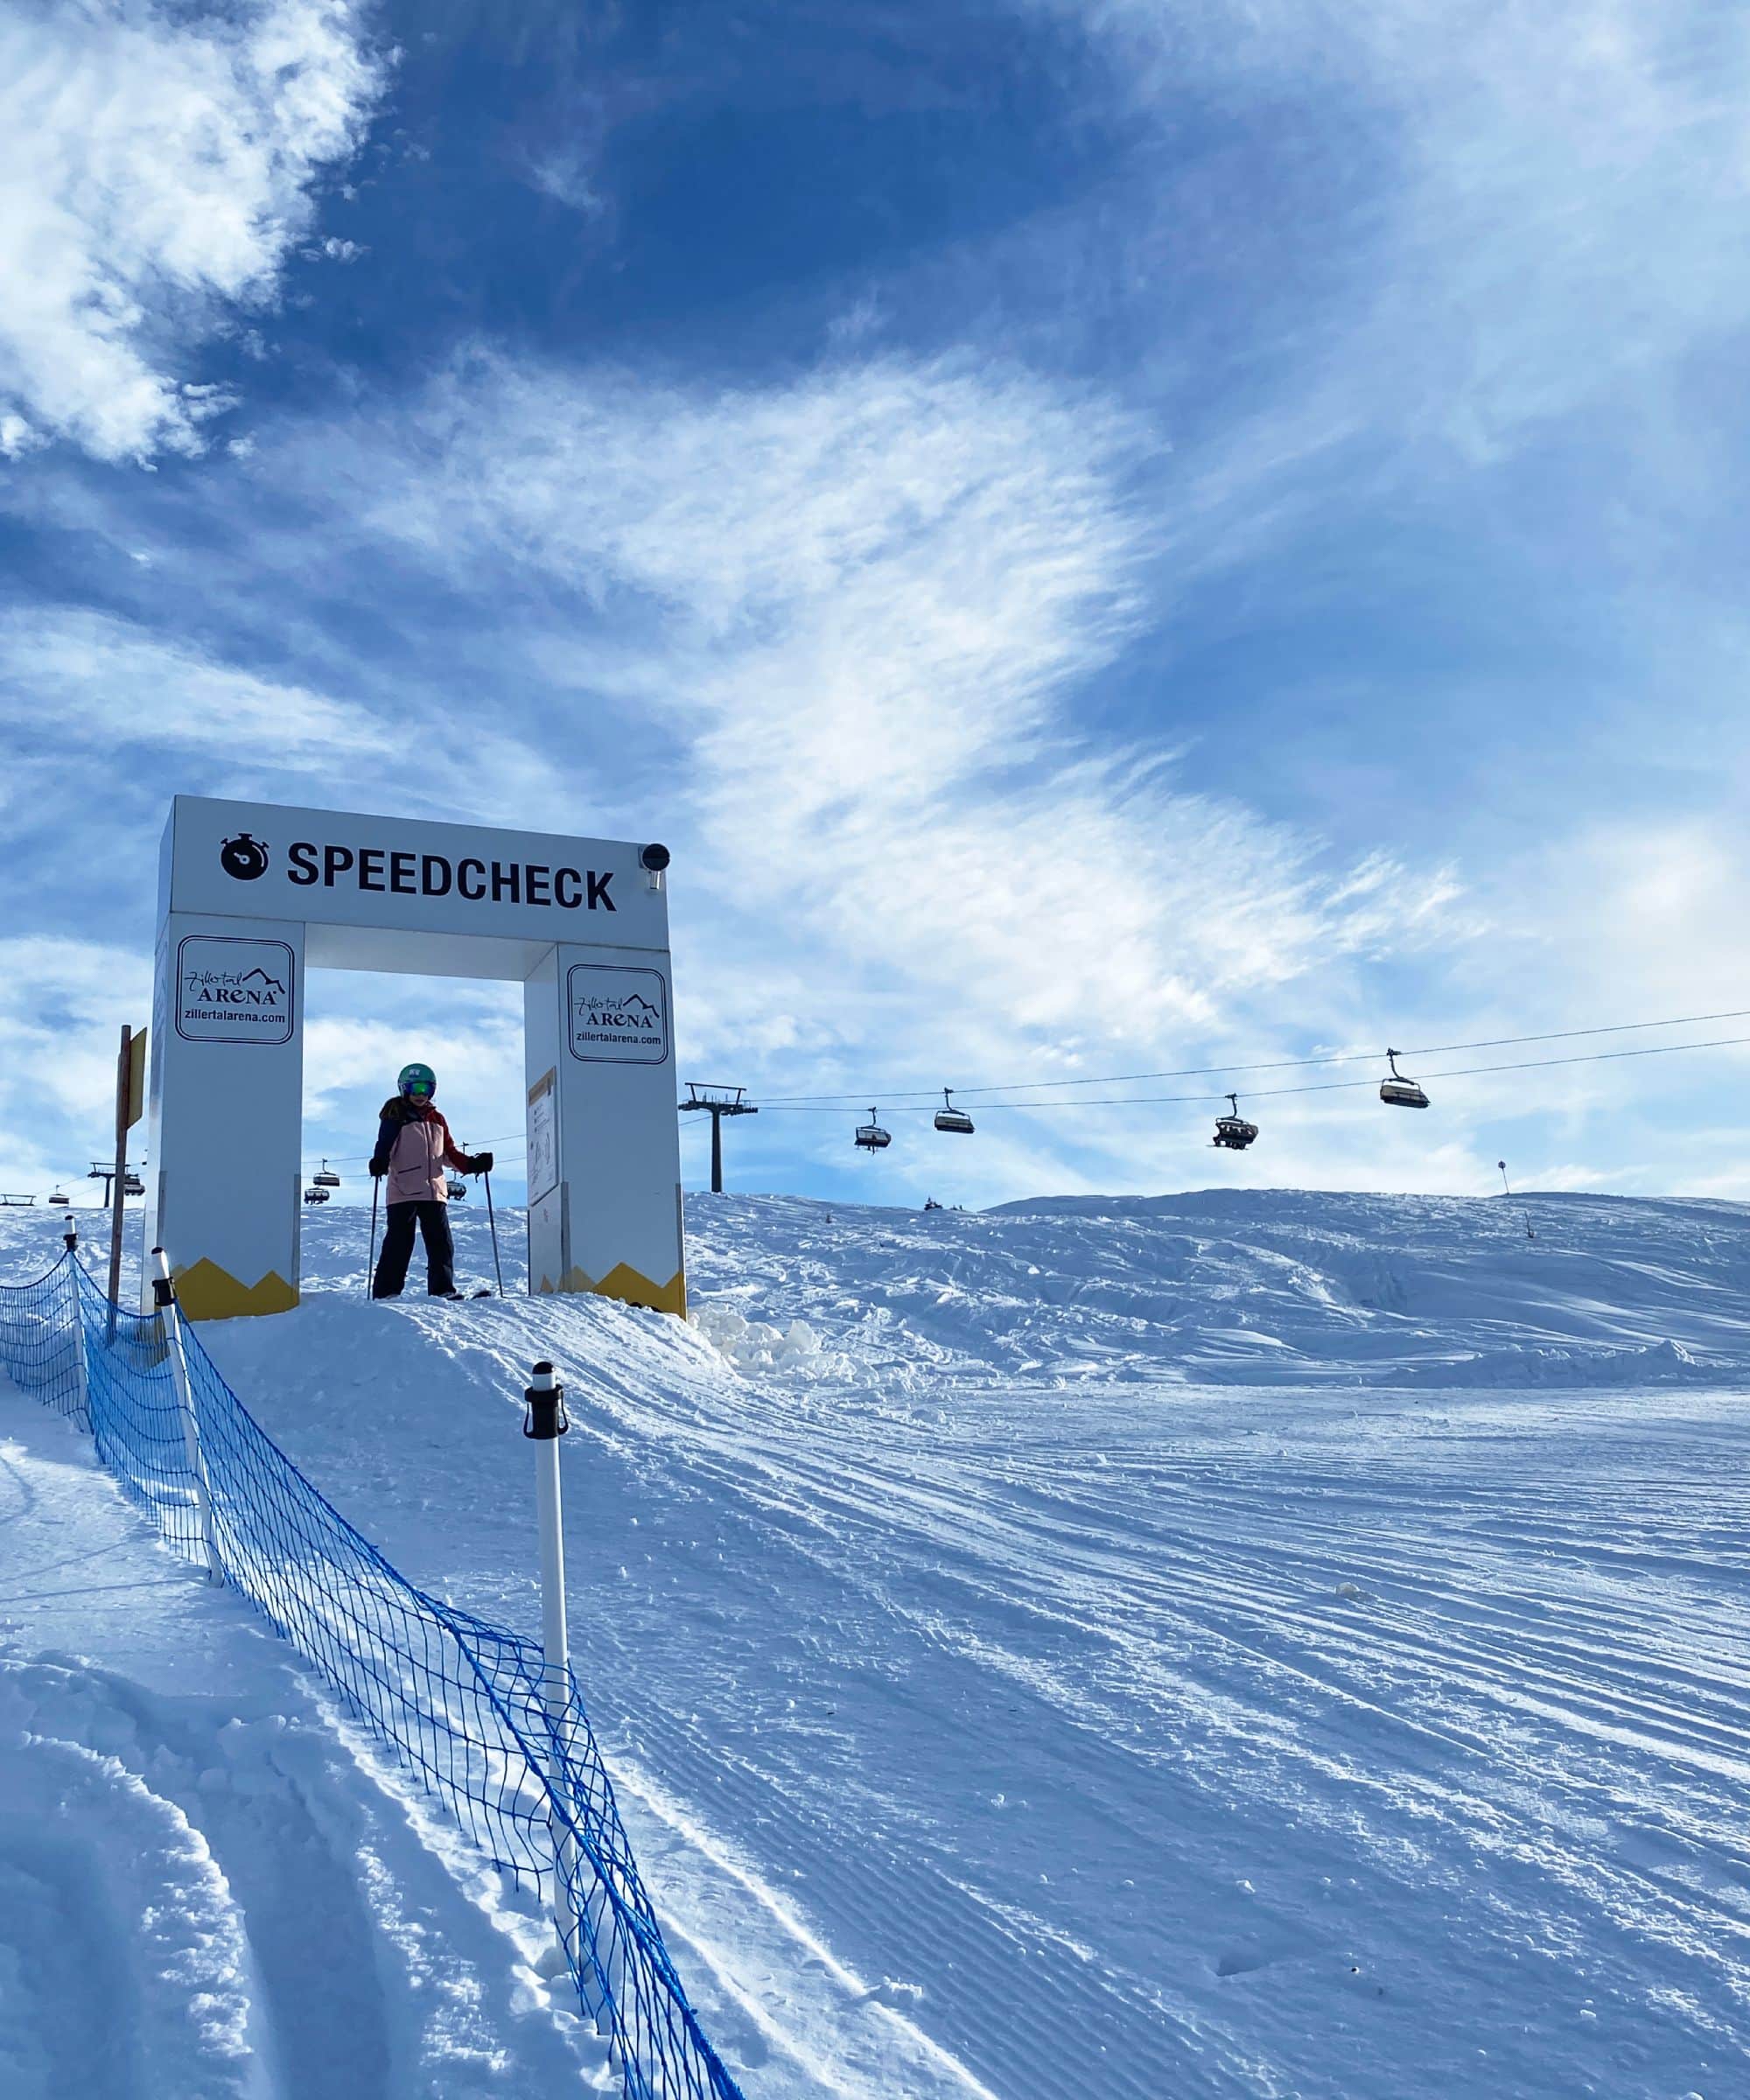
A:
433, 1220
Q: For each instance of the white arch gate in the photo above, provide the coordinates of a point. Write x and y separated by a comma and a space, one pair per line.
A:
252, 894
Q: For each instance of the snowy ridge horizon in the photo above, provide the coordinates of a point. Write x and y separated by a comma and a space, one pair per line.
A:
1248, 1286
1214, 1285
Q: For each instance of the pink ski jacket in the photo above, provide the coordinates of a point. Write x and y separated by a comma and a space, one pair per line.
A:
422, 1149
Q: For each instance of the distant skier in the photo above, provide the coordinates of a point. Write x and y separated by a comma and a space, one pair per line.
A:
414, 1147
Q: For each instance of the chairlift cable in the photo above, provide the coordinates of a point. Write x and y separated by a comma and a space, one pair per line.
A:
1286, 1064
1332, 1086
916, 1104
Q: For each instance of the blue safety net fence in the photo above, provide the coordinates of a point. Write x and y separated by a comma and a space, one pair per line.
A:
461, 1703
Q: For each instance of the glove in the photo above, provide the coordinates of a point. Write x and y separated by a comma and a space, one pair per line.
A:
379, 1168
483, 1164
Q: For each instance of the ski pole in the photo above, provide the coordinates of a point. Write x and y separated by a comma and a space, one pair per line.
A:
371, 1259
492, 1221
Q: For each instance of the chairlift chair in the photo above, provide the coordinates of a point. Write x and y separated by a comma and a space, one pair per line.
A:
1398, 1092
947, 1117
871, 1137
132, 1185
327, 1179
1233, 1132
60, 1199
313, 1194
458, 1188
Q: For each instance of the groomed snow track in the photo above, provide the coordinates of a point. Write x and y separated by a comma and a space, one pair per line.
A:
1282, 1646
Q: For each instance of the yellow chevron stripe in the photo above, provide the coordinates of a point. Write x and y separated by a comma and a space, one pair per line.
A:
207, 1292
629, 1286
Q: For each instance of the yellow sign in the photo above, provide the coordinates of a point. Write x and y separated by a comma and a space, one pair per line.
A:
136, 1077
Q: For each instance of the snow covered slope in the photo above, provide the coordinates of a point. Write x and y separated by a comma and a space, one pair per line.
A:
1255, 1286
204, 1890
1229, 1644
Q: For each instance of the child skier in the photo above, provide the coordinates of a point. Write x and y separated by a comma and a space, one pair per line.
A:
414, 1147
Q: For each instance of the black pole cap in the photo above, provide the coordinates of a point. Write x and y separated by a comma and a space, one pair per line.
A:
545, 1417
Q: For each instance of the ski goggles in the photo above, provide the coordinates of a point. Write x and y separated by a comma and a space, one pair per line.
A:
417, 1089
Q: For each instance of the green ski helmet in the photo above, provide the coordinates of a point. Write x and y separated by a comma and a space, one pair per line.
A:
418, 1080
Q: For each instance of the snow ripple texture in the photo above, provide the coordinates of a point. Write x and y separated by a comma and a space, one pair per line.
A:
1225, 1645
458, 1702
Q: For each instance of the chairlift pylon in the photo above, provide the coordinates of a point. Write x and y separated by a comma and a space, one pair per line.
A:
871, 1137
327, 1179
947, 1117
1398, 1092
1233, 1132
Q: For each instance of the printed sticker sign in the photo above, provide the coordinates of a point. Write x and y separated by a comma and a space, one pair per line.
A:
230, 991
543, 1136
618, 1016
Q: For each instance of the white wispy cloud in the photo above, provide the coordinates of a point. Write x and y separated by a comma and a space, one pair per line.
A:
79, 688
89, 676
1516, 213
157, 164
868, 603
62, 1002
567, 174
1657, 892
361, 1031
845, 635
868, 610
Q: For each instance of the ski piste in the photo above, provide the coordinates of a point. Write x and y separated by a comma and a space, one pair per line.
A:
1258, 1642
436, 1297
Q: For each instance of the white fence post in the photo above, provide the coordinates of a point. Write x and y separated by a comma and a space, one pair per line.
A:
545, 1422
81, 1382
170, 1321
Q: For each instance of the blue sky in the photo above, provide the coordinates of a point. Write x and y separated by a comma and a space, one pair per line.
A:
1106, 534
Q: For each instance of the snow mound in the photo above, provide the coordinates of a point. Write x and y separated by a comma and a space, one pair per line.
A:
1652, 1363
759, 1345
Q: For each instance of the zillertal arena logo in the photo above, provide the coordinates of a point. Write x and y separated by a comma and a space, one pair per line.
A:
244, 857
252, 988
229, 990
